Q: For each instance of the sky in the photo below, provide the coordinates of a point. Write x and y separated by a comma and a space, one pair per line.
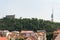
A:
41, 9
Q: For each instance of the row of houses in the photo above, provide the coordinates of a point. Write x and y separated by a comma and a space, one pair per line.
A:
24, 34
27, 35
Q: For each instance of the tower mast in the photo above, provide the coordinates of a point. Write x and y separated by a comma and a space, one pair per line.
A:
52, 15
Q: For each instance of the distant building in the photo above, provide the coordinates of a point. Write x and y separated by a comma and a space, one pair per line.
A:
27, 33
10, 16
41, 35
4, 33
56, 35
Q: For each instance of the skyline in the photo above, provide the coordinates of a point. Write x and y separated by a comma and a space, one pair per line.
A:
41, 9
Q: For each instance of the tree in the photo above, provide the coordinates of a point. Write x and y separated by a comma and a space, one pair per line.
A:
19, 39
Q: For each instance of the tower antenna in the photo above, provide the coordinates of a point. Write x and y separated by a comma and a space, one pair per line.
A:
52, 16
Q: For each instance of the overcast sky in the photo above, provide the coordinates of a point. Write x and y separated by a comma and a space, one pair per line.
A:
31, 8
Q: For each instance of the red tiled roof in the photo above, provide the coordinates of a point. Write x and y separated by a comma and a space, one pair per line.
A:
57, 31
3, 38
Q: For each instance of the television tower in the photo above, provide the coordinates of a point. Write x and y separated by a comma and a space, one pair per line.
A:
52, 16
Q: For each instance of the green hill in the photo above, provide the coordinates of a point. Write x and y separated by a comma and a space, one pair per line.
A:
28, 24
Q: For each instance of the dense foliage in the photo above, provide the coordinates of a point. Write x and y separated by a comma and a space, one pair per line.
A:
28, 24
19, 39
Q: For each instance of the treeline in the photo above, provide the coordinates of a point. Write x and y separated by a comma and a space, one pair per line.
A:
28, 24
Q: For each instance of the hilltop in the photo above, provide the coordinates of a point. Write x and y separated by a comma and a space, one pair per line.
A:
28, 24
